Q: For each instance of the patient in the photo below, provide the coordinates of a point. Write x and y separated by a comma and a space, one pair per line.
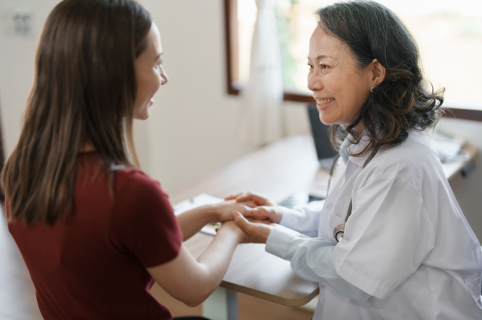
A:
94, 230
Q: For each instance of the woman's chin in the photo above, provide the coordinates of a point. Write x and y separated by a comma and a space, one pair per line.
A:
143, 114
325, 119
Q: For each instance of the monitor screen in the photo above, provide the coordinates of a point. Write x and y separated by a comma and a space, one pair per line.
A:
320, 134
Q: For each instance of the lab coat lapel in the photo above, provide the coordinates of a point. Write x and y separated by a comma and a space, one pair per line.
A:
359, 161
337, 202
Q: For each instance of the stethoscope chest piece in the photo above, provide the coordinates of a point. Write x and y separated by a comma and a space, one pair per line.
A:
338, 232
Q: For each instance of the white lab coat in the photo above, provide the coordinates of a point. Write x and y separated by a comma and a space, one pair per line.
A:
407, 243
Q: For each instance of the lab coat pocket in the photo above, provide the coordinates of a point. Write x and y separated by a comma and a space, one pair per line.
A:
473, 286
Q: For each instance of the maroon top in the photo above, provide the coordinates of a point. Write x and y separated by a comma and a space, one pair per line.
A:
93, 264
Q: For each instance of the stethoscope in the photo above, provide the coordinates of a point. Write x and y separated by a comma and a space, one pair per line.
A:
339, 230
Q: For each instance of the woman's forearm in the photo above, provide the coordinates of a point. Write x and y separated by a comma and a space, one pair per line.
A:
193, 220
215, 260
193, 281
311, 259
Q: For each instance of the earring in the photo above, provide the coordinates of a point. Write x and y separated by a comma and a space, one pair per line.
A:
373, 88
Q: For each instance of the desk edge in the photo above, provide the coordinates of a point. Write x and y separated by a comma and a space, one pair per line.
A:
270, 297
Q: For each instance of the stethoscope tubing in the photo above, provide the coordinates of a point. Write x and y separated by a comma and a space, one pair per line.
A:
339, 230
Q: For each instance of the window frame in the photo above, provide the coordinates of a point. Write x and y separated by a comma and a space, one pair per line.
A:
232, 59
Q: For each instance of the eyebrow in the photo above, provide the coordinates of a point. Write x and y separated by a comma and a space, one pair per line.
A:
321, 56
159, 55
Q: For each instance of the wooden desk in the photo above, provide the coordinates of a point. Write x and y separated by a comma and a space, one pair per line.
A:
277, 171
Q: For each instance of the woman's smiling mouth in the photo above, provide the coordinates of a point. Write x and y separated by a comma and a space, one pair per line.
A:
322, 104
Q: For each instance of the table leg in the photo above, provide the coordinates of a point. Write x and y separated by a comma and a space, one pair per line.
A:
222, 304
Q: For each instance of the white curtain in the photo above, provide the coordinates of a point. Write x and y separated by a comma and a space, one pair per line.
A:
263, 96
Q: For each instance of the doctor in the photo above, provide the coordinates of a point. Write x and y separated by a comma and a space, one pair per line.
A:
405, 249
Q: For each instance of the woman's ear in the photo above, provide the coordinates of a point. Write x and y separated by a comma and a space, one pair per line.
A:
378, 72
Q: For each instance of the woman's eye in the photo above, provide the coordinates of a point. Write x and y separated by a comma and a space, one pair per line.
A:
159, 64
324, 66
310, 66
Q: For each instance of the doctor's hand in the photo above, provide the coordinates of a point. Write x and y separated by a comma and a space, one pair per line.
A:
257, 231
271, 213
256, 198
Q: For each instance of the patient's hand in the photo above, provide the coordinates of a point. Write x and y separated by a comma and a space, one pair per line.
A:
253, 197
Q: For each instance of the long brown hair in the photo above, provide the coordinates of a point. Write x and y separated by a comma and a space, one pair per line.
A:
403, 101
84, 91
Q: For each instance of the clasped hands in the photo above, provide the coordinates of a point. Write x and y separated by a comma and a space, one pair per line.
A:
252, 213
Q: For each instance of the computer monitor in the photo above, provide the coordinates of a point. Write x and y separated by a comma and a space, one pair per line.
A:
325, 154
321, 138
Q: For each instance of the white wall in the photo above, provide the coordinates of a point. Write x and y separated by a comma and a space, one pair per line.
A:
17, 64
192, 128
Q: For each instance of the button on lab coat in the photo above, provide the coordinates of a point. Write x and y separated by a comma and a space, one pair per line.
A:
407, 244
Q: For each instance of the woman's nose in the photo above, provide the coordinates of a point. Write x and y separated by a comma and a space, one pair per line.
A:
314, 83
164, 77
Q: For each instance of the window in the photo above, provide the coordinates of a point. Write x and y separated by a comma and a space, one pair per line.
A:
449, 35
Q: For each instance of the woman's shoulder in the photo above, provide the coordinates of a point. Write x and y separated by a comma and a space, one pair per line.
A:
131, 174
415, 157
135, 184
136, 195
142, 216
416, 145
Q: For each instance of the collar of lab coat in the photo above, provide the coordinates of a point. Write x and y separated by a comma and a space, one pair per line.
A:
354, 149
